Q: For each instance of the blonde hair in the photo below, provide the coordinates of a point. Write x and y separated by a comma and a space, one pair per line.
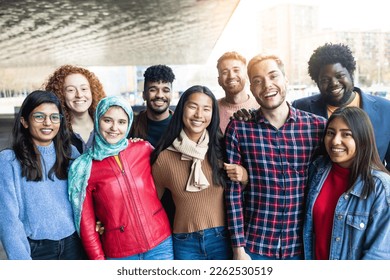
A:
259, 58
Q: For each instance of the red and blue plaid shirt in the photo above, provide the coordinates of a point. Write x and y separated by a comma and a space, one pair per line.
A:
267, 217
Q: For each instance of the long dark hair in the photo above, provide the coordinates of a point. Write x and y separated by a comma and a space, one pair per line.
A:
215, 150
367, 157
24, 148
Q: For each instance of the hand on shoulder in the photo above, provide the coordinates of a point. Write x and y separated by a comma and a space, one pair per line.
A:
243, 115
135, 139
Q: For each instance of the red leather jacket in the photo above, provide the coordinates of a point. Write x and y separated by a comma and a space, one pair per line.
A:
126, 202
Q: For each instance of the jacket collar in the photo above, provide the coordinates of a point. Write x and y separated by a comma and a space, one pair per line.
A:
317, 103
323, 164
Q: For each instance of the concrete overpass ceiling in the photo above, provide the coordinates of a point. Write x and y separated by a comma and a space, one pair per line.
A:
110, 32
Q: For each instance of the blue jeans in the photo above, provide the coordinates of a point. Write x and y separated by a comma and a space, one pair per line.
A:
208, 244
162, 251
68, 248
261, 257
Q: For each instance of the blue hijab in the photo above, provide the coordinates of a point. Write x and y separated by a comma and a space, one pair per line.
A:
80, 170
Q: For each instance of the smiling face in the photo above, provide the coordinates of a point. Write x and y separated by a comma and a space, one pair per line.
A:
232, 76
42, 133
197, 115
339, 143
78, 95
336, 85
158, 97
113, 125
268, 84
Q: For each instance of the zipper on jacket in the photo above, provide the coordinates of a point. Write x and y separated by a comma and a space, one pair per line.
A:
140, 227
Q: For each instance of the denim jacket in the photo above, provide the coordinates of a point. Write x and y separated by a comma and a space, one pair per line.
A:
361, 225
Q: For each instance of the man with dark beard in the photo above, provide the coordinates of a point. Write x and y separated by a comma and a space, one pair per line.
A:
331, 67
150, 123
232, 78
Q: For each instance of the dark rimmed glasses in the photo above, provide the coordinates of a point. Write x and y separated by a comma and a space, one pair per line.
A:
41, 117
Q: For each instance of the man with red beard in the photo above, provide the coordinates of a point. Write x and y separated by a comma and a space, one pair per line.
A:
232, 78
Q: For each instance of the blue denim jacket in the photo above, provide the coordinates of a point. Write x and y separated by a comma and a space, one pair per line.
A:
361, 225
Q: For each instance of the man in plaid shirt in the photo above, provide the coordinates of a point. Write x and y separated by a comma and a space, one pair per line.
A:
275, 147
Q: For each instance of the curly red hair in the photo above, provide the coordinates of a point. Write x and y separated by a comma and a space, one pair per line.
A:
56, 82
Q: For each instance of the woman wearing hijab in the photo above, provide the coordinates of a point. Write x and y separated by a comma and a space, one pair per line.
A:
187, 161
112, 183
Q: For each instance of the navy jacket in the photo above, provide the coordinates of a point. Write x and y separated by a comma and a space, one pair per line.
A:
377, 108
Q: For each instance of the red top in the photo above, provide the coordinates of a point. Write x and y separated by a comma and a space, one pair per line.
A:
334, 186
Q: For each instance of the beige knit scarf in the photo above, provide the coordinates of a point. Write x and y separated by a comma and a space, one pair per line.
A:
196, 152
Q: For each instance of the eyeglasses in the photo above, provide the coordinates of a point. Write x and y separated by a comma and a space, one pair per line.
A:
41, 117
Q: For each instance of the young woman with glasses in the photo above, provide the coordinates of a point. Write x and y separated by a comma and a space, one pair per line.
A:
37, 220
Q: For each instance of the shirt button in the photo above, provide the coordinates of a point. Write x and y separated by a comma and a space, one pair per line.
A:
122, 228
346, 196
361, 225
338, 239
339, 217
